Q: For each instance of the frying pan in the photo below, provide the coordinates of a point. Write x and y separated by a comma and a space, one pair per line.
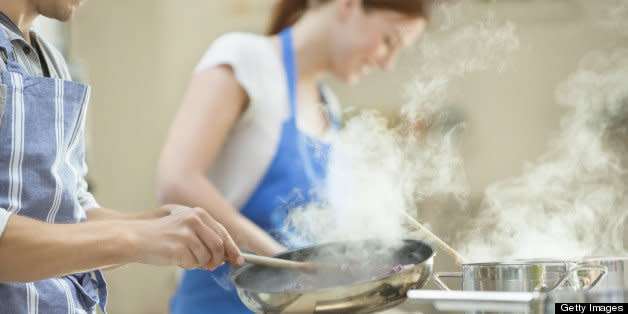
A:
274, 290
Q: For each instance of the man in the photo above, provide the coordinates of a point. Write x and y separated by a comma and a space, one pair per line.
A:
53, 235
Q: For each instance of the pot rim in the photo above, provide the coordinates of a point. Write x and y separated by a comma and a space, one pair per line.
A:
531, 262
605, 259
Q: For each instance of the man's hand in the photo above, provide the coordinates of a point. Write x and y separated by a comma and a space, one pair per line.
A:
176, 235
187, 237
158, 212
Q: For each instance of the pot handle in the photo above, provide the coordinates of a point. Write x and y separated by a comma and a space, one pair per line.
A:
602, 269
440, 283
579, 267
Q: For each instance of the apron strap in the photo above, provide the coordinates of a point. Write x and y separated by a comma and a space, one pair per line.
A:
102, 290
290, 66
5, 46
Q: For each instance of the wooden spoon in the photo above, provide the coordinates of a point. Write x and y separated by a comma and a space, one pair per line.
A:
282, 263
436, 240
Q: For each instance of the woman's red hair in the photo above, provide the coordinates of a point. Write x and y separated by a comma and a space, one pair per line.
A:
288, 12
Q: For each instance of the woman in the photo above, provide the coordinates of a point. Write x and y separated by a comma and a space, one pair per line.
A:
251, 138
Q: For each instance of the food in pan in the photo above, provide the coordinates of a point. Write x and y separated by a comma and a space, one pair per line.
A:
356, 271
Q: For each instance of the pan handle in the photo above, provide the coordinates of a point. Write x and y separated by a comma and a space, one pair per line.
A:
491, 301
439, 281
578, 267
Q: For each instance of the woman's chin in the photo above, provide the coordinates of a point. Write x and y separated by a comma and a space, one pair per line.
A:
349, 79
352, 80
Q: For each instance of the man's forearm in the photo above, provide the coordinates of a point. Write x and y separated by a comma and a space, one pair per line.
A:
32, 250
97, 214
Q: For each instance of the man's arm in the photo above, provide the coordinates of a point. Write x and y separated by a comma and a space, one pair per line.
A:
100, 214
32, 250
96, 214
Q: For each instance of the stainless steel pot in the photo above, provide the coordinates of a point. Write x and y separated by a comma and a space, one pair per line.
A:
616, 277
271, 290
525, 276
530, 286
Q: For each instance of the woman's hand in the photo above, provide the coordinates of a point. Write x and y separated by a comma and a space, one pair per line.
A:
187, 237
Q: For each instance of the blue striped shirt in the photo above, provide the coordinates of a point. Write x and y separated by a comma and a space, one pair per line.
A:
28, 57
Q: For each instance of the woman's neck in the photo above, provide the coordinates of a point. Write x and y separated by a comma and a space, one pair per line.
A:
311, 42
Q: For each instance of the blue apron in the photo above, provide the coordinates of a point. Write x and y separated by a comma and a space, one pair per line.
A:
294, 178
41, 150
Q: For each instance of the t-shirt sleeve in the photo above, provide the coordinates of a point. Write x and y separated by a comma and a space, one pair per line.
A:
236, 50
4, 219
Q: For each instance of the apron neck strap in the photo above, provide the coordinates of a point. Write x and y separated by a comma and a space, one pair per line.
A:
5, 44
7, 48
290, 66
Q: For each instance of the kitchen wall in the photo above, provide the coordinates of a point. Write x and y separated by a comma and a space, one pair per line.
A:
138, 56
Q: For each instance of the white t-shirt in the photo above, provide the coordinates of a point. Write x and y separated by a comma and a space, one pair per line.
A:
251, 146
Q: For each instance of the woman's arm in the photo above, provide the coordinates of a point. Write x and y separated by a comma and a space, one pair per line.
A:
213, 103
31, 250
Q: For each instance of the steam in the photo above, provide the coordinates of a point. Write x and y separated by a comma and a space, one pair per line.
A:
450, 53
569, 203
572, 202
617, 18
382, 167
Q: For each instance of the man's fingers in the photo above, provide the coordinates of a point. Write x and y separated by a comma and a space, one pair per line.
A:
232, 252
188, 261
214, 244
201, 254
